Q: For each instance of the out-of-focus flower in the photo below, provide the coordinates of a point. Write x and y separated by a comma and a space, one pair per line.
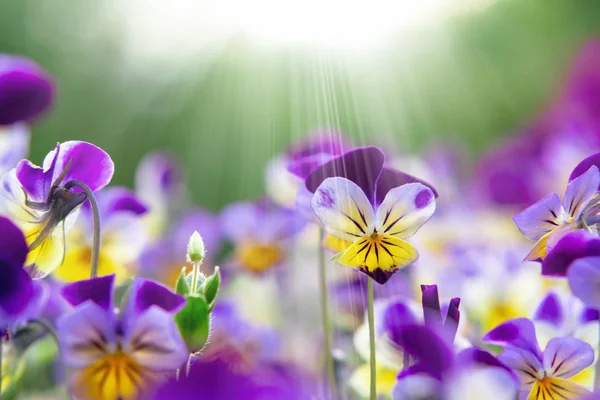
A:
159, 183
20, 297
115, 356
285, 173
261, 232
37, 200
439, 373
542, 374
14, 146
163, 259
26, 90
122, 237
371, 219
548, 220
584, 280
572, 246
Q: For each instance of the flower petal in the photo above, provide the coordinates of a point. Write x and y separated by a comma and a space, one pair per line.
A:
584, 166
13, 248
556, 388
573, 245
343, 208
145, 294
539, 219
539, 251
99, 290
153, 340
550, 310
526, 365
404, 210
565, 357
86, 334
580, 191
48, 255
379, 258
361, 166
517, 333
391, 178
584, 280
34, 180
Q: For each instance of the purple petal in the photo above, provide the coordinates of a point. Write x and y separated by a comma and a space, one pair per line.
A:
540, 218
413, 384
159, 173
34, 181
86, 334
146, 293
361, 166
395, 315
431, 306
518, 333
303, 167
98, 290
26, 90
565, 357
326, 142
423, 344
585, 165
589, 314
572, 246
391, 178
479, 357
584, 280
119, 199
13, 248
87, 163
550, 310
525, 364
452, 319
17, 292
580, 191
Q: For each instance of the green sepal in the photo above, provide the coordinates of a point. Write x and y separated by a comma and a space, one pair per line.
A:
182, 286
194, 323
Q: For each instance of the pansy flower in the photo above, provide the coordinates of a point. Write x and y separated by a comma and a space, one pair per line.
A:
371, 209
261, 232
115, 356
543, 375
549, 219
20, 297
438, 372
584, 280
39, 202
26, 90
122, 238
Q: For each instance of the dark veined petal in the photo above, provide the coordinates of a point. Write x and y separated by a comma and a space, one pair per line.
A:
574, 245
580, 192
541, 218
565, 357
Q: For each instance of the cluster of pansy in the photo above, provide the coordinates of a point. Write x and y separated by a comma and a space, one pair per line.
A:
125, 280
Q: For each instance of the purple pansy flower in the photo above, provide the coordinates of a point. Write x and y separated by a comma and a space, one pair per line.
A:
26, 90
115, 356
122, 238
371, 209
39, 201
548, 220
261, 232
20, 297
542, 374
164, 259
584, 280
572, 246
438, 373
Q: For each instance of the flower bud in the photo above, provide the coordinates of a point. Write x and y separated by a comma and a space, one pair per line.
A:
195, 248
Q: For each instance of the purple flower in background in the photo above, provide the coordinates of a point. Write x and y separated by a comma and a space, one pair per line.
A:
37, 200
14, 146
542, 374
159, 183
115, 356
572, 246
438, 373
122, 238
584, 280
548, 220
20, 297
372, 209
261, 232
26, 90
164, 259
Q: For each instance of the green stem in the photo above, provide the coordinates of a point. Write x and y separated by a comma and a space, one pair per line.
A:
325, 317
371, 319
96, 224
195, 271
47, 326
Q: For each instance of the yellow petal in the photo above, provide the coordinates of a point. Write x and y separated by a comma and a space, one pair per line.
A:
556, 388
539, 250
47, 256
335, 244
76, 266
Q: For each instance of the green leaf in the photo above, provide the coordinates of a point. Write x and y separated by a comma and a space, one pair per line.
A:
182, 287
211, 286
194, 323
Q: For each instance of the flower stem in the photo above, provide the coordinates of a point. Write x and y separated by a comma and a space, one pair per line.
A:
195, 271
371, 319
47, 326
325, 318
96, 224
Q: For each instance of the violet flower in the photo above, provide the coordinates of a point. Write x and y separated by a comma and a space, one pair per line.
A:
26, 90
544, 374
20, 297
371, 209
116, 356
38, 200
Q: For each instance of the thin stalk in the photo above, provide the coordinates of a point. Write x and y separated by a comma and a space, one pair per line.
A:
96, 224
47, 326
372, 359
1, 345
195, 271
325, 317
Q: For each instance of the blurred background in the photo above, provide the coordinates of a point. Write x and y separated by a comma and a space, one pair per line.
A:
227, 84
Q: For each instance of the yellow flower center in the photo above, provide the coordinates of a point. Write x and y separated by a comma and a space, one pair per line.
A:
259, 257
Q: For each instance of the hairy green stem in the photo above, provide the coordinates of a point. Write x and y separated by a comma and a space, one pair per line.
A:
96, 224
372, 358
325, 318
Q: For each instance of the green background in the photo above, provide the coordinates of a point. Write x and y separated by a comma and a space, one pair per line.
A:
479, 78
